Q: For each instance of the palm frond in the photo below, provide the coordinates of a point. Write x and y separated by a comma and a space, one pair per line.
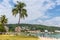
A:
3, 19
15, 11
20, 5
24, 12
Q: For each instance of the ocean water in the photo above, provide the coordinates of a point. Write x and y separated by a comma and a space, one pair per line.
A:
51, 35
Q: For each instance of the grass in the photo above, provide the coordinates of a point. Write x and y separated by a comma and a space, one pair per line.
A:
8, 37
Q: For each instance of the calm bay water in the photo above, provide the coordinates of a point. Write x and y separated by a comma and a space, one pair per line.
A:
52, 35
42, 34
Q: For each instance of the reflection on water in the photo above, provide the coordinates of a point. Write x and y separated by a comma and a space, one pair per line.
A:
53, 35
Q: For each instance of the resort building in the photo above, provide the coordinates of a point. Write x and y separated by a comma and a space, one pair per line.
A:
45, 30
57, 30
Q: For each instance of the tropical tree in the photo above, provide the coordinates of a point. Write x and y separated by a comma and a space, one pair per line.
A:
19, 9
3, 21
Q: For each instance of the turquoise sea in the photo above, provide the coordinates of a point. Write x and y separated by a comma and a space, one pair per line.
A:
51, 35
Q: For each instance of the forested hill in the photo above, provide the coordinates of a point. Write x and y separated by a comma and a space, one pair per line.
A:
34, 27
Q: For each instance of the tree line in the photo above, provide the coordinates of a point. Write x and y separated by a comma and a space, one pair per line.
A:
32, 27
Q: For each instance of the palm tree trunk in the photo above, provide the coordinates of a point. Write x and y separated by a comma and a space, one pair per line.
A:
19, 16
19, 20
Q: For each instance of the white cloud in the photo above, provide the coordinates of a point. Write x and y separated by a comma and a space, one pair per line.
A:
58, 2
36, 9
53, 22
6, 4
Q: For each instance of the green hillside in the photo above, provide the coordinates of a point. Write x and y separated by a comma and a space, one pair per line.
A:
33, 27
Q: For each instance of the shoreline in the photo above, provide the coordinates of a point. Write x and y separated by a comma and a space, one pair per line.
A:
47, 38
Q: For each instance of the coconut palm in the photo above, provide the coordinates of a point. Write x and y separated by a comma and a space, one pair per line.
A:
3, 21
19, 9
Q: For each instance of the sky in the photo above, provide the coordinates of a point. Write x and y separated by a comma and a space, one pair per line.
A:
45, 12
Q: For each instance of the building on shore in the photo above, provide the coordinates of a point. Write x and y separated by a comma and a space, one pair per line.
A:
57, 30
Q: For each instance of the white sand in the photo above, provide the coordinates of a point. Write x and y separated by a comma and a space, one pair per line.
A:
45, 38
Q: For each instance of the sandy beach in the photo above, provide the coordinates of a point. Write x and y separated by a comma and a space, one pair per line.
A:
45, 38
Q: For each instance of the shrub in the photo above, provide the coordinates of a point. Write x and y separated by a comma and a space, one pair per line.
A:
2, 29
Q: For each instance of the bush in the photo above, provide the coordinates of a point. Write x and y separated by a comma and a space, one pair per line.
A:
2, 29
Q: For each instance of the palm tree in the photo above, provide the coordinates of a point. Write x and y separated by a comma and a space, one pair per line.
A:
3, 21
19, 8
